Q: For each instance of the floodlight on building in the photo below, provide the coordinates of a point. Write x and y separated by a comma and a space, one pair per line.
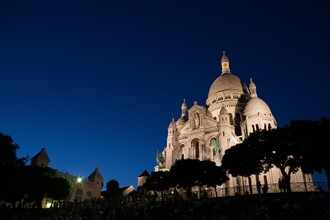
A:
79, 179
48, 205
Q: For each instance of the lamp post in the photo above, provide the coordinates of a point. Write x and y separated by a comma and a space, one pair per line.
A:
78, 196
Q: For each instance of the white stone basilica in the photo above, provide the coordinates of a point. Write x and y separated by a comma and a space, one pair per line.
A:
232, 112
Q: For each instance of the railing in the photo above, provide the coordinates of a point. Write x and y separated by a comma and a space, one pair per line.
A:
272, 188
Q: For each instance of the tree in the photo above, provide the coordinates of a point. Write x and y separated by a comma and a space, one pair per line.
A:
188, 173
11, 168
8, 151
158, 181
312, 136
183, 174
27, 183
242, 160
212, 175
59, 188
113, 193
41, 182
297, 146
281, 150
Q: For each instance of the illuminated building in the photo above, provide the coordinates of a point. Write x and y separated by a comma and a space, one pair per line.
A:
233, 111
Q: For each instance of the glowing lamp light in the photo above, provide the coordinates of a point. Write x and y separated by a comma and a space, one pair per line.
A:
48, 204
79, 179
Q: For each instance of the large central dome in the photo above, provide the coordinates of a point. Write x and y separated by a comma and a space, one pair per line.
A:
227, 81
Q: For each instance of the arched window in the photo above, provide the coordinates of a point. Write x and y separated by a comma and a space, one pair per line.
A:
237, 119
231, 119
254, 130
269, 127
197, 149
257, 127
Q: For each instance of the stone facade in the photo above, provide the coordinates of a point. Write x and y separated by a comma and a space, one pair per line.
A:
232, 112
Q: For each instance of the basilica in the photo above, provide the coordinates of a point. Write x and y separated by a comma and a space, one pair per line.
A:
232, 112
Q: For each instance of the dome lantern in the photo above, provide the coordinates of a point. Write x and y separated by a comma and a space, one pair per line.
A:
225, 63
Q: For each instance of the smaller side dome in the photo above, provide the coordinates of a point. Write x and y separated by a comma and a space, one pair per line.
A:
256, 105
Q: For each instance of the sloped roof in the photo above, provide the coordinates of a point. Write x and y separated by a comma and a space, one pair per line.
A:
145, 173
95, 174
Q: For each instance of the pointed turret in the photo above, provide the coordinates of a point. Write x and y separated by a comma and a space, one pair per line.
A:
96, 176
184, 108
184, 117
172, 128
41, 159
253, 89
225, 63
173, 124
142, 178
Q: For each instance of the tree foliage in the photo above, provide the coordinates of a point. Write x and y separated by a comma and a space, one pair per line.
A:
242, 160
188, 173
158, 181
27, 183
8, 150
113, 193
312, 135
297, 146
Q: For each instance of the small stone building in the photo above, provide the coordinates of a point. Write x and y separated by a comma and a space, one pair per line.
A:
83, 189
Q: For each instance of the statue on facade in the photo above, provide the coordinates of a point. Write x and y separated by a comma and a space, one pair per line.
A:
160, 159
197, 120
217, 147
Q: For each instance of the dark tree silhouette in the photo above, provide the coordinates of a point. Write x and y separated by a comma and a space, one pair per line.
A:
113, 193
188, 173
27, 183
290, 148
44, 182
11, 169
212, 175
59, 188
8, 151
312, 135
243, 159
158, 181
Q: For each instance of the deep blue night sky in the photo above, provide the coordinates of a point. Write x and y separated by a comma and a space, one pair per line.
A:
97, 82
